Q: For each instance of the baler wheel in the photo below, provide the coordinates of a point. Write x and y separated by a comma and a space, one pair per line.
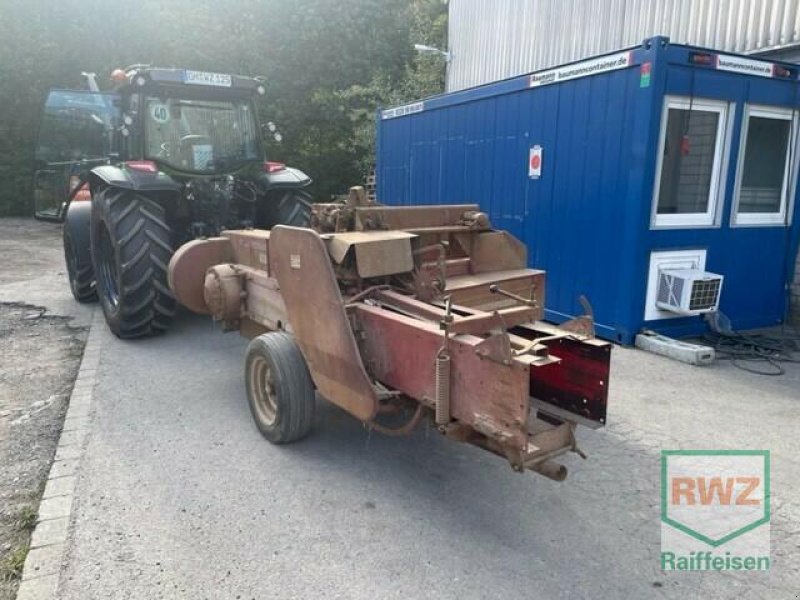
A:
280, 391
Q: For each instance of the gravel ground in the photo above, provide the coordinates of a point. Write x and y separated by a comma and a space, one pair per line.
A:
40, 357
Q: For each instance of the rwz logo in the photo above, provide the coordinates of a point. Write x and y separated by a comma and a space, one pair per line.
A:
705, 490
718, 499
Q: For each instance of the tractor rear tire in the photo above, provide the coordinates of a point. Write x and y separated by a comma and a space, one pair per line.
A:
280, 391
289, 206
131, 248
79, 270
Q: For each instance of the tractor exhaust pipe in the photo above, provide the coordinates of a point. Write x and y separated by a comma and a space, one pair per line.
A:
91, 81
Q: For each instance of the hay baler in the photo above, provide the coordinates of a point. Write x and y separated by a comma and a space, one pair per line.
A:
398, 314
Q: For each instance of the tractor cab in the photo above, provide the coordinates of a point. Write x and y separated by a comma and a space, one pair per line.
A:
190, 122
186, 123
201, 136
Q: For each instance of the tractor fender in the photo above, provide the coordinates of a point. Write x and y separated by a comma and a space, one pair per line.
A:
131, 179
77, 222
287, 177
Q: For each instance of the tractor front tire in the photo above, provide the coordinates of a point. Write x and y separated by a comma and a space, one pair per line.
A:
131, 248
280, 391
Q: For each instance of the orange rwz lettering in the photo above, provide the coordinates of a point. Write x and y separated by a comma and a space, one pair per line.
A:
713, 487
683, 486
706, 489
744, 498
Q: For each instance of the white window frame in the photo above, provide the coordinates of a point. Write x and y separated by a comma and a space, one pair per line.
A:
710, 218
789, 171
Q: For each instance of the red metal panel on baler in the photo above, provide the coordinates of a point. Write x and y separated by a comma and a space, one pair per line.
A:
400, 352
579, 383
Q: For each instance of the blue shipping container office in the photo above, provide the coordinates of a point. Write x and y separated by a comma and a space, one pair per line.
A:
659, 155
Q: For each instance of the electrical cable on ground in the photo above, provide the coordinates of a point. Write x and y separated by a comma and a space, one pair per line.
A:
745, 350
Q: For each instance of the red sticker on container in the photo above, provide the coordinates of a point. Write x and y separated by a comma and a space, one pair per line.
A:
535, 162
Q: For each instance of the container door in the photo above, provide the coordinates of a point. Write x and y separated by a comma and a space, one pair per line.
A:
75, 135
758, 256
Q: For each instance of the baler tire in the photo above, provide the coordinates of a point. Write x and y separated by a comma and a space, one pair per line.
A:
81, 276
131, 248
280, 391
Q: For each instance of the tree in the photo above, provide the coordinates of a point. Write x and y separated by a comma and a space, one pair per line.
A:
423, 76
328, 66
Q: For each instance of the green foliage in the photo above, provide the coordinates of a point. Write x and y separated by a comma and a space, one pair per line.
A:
328, 65
26, 518
422, 76
12, 564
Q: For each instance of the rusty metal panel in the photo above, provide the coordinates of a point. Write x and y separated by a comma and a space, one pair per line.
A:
264, 302
410, 305
411, 217
378, 253
497, 250
473, 290
481, 324
487, 395
187, 270
299, 261
472, 322
250, 247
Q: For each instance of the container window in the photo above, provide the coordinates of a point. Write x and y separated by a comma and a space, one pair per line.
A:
690, 162
762, 179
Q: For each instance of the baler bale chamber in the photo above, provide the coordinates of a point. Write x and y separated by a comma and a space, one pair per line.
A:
401, 314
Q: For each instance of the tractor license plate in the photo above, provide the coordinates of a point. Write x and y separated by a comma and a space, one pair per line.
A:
203, 78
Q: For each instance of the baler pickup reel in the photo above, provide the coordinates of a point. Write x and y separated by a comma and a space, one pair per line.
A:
412, 311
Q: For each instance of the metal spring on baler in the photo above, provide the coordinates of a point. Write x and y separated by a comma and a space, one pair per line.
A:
442, 387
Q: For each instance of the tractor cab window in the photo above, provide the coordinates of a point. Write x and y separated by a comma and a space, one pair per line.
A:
200, 135
77, 126
76, 133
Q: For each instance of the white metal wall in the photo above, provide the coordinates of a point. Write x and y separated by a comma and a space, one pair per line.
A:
495, 39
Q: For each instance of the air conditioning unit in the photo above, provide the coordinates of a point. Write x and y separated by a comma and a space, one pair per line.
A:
688, 291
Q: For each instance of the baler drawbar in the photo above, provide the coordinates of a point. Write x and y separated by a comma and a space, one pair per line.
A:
397, 314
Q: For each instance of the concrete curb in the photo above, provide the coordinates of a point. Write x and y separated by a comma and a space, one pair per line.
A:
49, 539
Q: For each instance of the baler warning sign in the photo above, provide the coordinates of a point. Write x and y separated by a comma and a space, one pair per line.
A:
535, 162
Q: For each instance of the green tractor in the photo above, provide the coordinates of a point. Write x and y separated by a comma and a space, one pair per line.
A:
168, 156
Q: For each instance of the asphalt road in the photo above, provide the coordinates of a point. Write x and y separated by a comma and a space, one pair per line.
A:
179, 496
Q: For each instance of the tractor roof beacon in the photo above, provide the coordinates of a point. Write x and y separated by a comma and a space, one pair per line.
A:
167, 156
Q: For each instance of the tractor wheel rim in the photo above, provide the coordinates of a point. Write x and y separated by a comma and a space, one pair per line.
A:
108, 269
262, 384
